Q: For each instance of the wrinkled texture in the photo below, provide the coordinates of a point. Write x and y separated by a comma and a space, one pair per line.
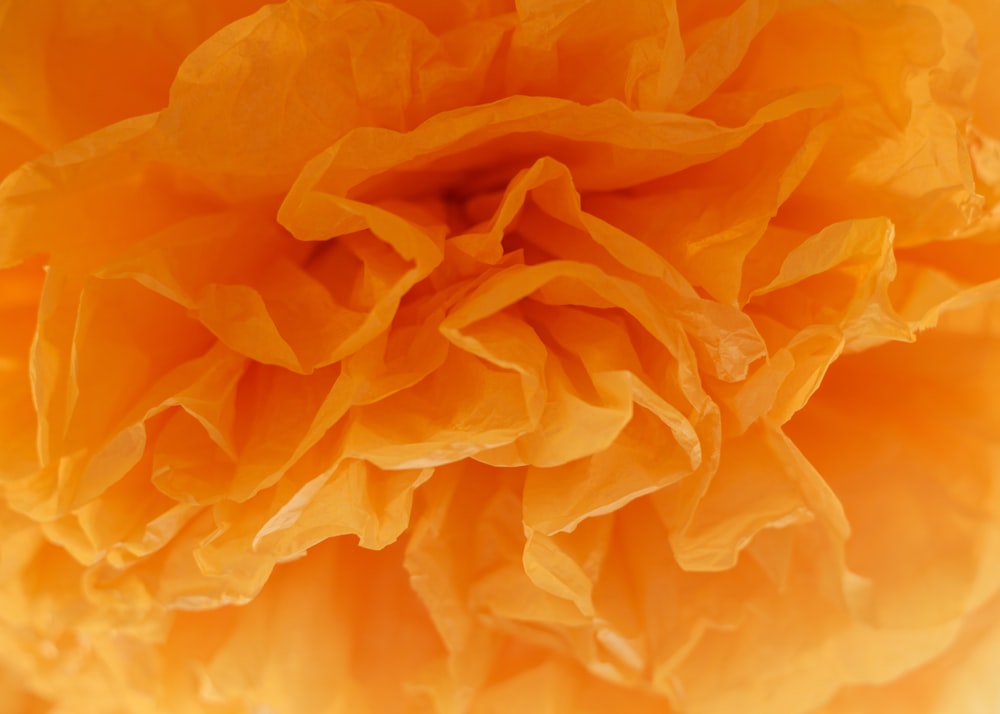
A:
487, 356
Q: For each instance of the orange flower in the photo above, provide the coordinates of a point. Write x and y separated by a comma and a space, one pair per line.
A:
439, 356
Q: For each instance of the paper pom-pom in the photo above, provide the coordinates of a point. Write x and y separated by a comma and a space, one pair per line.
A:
477, 356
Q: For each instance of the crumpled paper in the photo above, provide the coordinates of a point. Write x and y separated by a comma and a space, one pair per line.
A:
483, 356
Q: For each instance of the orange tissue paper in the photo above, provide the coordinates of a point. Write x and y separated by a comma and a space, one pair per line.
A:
500, 356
